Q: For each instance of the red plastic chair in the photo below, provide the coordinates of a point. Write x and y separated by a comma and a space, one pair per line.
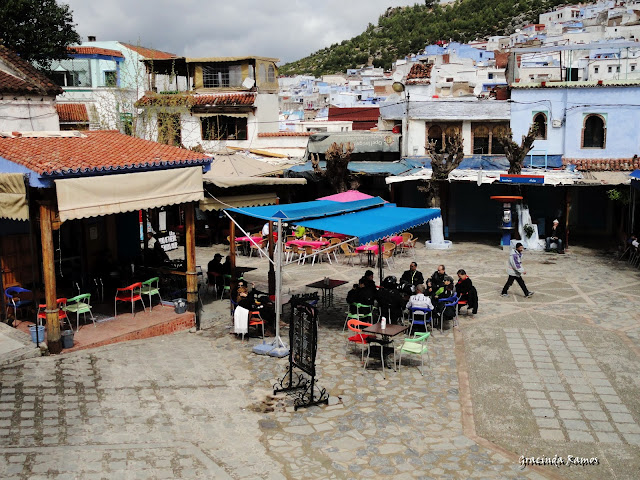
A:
359, 338
132, 293
62, 314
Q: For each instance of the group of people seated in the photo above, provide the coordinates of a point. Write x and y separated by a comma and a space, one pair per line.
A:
394, 298
216, 271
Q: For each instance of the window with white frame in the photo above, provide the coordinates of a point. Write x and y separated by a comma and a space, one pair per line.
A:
221, 76
594, 131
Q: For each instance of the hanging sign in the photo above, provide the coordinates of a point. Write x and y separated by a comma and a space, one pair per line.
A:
539, 179
168, 242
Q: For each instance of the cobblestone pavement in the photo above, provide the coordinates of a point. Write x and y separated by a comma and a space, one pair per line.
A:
556, 374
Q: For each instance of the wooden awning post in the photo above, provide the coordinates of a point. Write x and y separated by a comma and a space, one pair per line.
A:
190, 248
49, 276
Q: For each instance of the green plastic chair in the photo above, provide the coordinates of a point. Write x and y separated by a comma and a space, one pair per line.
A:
363, 317
227, 285
416, 345
151, 287
80, 304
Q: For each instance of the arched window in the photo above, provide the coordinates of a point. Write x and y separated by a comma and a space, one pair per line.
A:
498, 131
481, 140
540, 119
435, 135
594, 132
272, 74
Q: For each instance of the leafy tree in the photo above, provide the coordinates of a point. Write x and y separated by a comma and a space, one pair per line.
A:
39, 30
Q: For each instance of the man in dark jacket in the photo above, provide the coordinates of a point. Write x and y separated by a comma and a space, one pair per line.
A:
411, 278
437, 279
555, 236
390, 300
467, 292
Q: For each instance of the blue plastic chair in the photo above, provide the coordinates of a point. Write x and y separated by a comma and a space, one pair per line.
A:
449, 302
14, 301
425, 313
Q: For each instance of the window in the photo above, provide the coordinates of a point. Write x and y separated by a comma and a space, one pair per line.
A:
69, 78
618, 69
595, 69
633, 67
609, 69
271, 77
594, 132
435, 135
449, 79
223, 127
485, 138
110, 78
481, 140
221, 76
169, 131
490, 76
540, 119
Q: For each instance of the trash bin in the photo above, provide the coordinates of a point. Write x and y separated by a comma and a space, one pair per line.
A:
39, 330
180, 305
67, 338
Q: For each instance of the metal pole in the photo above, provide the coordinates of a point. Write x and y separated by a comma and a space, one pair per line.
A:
279, 348
380, 259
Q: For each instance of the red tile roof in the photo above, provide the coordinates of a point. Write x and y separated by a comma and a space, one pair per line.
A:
149, 53
286, 134
603, 164
218, 99
93, 151
420, 70
27, 80
95, 51
72, 112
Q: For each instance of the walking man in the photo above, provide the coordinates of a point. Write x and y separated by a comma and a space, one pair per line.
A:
515, 271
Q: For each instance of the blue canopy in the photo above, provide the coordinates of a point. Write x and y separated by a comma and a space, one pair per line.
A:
635, 175
293, 212
369, 219
376, 223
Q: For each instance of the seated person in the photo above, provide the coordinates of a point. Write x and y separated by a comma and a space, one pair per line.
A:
419, 300
442, 293
429, 291
362, 295
215, 267
466, 292
246, 299
369, 282
555, 235
390, 300
226, 266
299, 232
437, 279
411, 278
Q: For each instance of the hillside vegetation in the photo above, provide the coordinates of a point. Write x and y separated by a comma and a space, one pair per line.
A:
404, 30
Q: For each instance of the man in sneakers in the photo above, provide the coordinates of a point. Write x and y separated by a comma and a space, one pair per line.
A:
515, 271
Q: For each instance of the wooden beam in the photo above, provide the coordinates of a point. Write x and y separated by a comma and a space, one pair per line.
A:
49, 276
190, 251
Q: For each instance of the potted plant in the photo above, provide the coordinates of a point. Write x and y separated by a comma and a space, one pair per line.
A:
528, 230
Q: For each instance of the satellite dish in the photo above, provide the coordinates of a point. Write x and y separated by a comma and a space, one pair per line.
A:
248, 83
397, 76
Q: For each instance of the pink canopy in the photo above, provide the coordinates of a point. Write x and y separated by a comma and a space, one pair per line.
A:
348, 196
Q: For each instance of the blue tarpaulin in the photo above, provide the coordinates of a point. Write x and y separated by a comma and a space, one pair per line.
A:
369, 219
495, 162
376, 223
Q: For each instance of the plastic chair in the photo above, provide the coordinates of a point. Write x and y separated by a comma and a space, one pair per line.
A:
41, 317
349, 253
80, 304
256, 247
425, 313
358, 316
387, 252
132, 294
226, 278
309, 252
14, 301
377, 342
416, 345
212, 280
255, 318
148, 288
411, 245
449, 302
359, 338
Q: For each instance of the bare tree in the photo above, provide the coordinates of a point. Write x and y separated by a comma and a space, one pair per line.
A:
442, 163
337, 170
516, 153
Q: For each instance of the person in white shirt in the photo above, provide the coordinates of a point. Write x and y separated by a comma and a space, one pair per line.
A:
151, 242
265, 230
419, 300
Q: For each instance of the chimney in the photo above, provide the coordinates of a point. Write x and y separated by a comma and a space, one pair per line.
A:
91, 38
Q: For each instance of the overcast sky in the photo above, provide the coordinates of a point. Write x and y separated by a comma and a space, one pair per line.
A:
285, 29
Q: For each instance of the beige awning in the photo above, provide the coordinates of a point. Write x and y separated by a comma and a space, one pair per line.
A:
236, 181
108, 194
13, 197
238, 201
612, 178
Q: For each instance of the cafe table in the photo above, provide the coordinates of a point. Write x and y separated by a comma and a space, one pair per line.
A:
327, 289
308, 243
372, 251
387, 335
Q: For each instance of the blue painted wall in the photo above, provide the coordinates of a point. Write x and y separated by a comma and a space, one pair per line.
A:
620, 106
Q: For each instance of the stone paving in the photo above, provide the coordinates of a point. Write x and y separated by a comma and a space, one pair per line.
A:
556, 374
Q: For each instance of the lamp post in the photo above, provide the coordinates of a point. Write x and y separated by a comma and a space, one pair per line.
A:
400, 87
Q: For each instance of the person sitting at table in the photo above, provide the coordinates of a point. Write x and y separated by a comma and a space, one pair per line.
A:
369, 282
299, 232
419, 300
214, 273
247, 299
438, 277
466, 292
226, 266
390, 300
362, 295
445, 291
411, 278
429, 291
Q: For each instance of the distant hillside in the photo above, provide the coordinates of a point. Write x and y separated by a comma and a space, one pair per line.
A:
404, 30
